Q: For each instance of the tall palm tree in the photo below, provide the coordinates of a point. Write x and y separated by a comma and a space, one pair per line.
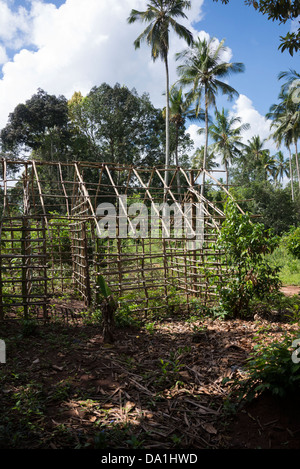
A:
268, 164
287, 124
226, 133
257, 157
285, 115
198, 158
292, 84
281, 166
281, 136
161, 16
179, 110
203, 70
255, 148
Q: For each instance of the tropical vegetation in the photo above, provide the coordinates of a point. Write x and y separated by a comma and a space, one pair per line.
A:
260, 245
161, 16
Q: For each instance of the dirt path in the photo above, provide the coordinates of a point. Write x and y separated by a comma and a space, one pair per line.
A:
290, 290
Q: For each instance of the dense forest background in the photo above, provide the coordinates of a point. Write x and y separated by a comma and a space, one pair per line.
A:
114, 124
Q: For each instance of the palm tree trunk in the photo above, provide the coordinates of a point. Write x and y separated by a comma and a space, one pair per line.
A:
291, 173
226, 169
206, 141
167, 162
297, 161
177, 162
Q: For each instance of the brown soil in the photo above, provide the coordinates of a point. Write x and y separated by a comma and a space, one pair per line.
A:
160, 387
290, 290
267, 423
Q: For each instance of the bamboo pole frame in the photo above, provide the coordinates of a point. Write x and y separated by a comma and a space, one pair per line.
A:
51, 244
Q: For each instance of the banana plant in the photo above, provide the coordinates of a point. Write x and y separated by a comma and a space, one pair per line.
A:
108, 306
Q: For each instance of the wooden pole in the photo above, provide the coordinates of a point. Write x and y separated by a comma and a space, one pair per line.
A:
86, 266
44, 248
24, 266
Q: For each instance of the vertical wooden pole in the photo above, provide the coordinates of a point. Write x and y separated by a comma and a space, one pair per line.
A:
86, 272
45, 310
194, 255
24, 266
143, 276
1, 227
1, 298
119, 258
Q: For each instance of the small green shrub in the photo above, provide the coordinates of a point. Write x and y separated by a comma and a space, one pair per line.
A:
124, 318
270, 368
29, 327
292, 242
245, 246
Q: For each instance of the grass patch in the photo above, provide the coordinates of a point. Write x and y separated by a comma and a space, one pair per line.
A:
289, 265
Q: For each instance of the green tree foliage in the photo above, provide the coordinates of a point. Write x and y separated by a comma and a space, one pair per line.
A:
272, 204
114, 124
39, 128
110, 124
179, 111
123, 123
41, 124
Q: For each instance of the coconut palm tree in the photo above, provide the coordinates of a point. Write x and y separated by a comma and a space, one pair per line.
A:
285, 117
177, 112
292, 85
204, 70
282, 137
259, 158
226, 134
281, 166
161, 16
198, 158
255, 148
268, 164
180, 109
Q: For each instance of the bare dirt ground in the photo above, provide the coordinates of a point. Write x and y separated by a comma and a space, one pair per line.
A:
155, 387
290, 290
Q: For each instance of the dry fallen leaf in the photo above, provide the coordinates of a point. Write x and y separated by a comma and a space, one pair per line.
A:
58, 368
129, 406
185, 375
209, 428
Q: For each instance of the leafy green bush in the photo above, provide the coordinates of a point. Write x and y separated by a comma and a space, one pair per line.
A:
245, 246
271, 368
292, 242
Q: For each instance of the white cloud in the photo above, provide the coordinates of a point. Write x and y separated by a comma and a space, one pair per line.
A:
14, 25
3, 55
198, 139
77, 46
259, 125
243, 108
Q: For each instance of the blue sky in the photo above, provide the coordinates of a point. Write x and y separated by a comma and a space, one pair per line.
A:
254, 40
63, 46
